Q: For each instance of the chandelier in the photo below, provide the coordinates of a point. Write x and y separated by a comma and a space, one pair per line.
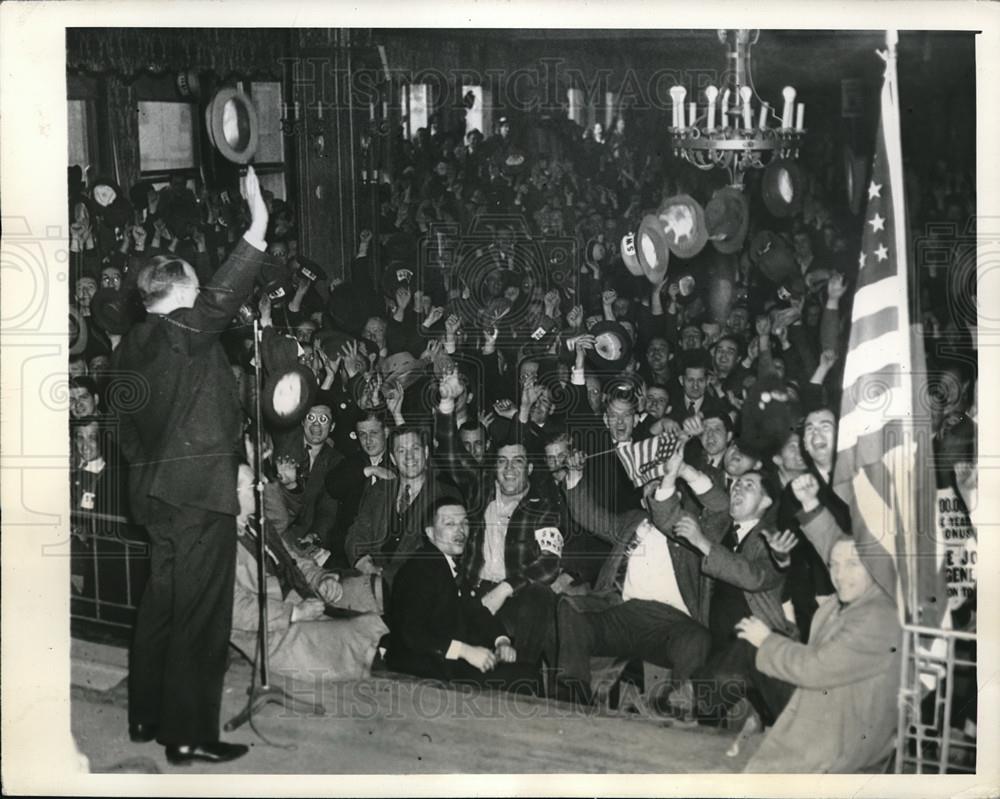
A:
729, 133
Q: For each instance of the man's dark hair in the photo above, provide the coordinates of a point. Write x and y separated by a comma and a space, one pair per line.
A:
472, 426
84, 382
373, 415
622, 396
437, 504
767, 485
159, 276
734, 340
696, 359
660, 386
817, 408
407, 429
722, 416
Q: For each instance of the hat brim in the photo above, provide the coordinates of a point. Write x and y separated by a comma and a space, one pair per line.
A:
652, 249
854, 179
287, 395
631, 259
616, 334
232, 125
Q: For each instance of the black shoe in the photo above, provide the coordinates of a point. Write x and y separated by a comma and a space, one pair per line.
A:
142, 732
215, 752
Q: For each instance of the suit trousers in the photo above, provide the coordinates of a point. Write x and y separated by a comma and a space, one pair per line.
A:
180, 646
729, 675
636, 629
529, 617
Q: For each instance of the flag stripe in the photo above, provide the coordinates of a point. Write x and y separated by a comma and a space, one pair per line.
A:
875, 296
869, 356
874, 325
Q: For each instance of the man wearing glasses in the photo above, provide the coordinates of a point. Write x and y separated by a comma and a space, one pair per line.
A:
314, 510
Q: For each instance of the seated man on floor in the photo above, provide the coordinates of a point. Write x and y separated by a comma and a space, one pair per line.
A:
842, 716
305, 641
440, 629
649, 600
744, 580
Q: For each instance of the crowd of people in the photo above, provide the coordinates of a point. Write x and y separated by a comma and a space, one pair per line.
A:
450, 495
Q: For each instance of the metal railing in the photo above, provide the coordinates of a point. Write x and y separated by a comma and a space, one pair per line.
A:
938, 681
110, 565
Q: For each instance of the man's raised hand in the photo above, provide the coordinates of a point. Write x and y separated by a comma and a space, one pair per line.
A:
258, 208
806, 490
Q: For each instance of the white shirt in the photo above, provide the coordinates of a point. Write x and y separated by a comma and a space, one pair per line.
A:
743, 529
95, 466
496, 518
313, 450
650, 572
697, 403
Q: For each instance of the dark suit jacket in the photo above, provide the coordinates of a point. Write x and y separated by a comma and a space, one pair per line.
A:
371, 526
428, 610
316, 510
710, 406
182, 437
346, 484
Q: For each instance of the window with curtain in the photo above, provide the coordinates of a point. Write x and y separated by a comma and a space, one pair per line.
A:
80, 117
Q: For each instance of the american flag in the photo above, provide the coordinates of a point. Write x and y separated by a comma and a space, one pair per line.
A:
647, 460
884, 467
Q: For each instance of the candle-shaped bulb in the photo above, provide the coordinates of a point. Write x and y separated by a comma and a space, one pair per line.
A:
725, 108
745, 94
786, 113
692, 114
711, 94
677, 94
800, 113
762, 123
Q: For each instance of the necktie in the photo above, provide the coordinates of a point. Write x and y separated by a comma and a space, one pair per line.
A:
404, 500
729, 540
690, 409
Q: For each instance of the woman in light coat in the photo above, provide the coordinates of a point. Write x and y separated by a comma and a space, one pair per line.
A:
842, 716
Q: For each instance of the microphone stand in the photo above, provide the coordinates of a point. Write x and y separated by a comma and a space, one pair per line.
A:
264, 693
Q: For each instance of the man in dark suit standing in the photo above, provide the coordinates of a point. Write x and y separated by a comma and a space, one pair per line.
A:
183, 444
440, 629
693, 398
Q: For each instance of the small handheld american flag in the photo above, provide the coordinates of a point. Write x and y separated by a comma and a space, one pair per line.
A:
647, 460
